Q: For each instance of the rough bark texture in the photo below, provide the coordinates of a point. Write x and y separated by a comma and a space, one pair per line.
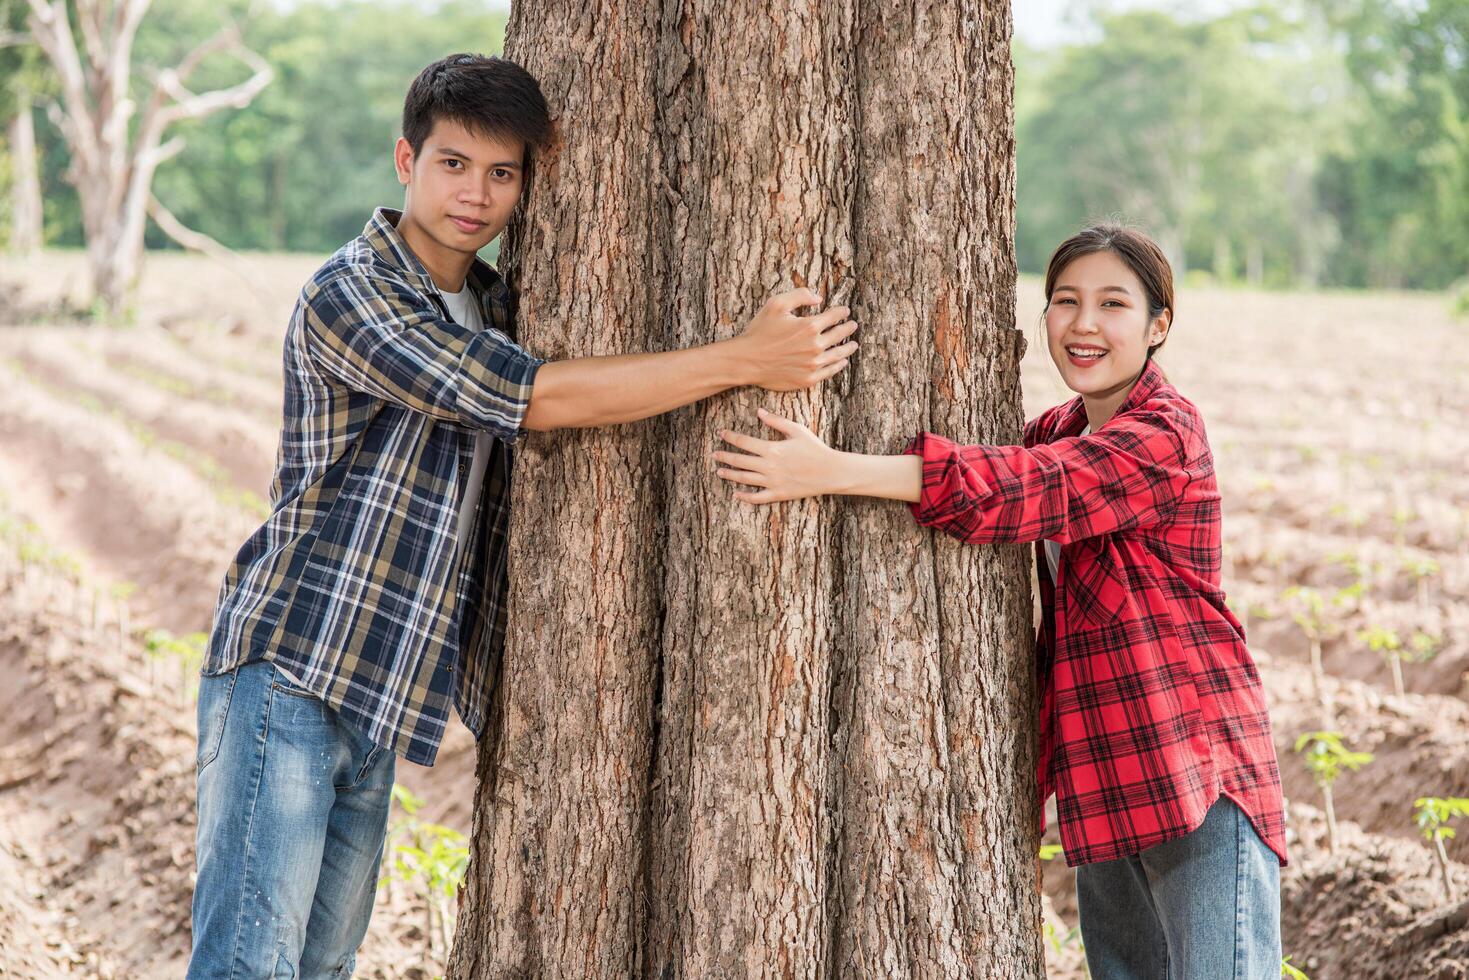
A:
556, 883
794, 741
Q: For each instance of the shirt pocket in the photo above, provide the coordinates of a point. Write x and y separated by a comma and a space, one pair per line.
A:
1096, 583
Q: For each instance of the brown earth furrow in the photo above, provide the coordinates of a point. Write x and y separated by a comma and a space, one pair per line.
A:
155, 358
1373, 911
241, 446
1420, 745
132, 514
139, 516
95, 874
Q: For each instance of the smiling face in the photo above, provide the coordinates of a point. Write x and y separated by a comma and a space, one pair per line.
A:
461, 190
1099, 329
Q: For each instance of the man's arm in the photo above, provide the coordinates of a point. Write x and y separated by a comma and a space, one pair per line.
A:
778, 351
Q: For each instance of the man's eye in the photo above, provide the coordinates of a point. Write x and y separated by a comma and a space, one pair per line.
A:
452, 163
502, 175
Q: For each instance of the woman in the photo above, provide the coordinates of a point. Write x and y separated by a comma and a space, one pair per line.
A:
1154, 734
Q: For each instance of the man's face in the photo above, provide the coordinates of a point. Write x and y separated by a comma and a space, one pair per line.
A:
462, 187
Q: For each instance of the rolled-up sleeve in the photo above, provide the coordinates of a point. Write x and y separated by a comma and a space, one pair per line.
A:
1132, 472
377, 336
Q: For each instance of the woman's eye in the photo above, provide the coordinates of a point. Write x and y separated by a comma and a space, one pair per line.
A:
451, 164
502, 174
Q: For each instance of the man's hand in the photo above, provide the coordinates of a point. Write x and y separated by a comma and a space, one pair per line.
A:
778, 351
786, 352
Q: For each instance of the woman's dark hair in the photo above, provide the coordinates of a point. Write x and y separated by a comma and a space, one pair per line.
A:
1136, 250
487, 96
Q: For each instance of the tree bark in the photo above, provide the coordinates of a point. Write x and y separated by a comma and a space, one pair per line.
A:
791, 741
556, 882
25, 179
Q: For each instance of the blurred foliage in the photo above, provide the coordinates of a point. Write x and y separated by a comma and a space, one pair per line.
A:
302, 166
1319, 142
1290, 143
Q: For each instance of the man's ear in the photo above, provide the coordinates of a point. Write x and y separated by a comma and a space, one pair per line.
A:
403, 160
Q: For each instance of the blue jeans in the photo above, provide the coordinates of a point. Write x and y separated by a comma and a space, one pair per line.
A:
293, 811
1204, 905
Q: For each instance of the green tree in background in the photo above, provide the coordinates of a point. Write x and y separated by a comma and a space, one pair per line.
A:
1399, 186
302, 166
22, 81
1289, 144
1203, 131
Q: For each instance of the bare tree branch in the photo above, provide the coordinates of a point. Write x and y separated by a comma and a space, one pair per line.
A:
113, 161
199, 242
89, 20
188, 105
129, 16
51, 27
171, 102
15, 39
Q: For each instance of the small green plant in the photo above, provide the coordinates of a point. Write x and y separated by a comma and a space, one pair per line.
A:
186, 651
1459, 298
1353, 562
431, 857
1385, 643
1327, 758
1433, 816
1353, 517
1421, 570
1401, 518
1061, 941
1308, 609
1289, 972
1423, 647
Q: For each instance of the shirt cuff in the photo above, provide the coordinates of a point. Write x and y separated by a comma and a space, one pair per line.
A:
950, 485
496, 388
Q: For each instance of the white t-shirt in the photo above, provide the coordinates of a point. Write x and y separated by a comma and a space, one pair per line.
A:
1053, 550
464, 308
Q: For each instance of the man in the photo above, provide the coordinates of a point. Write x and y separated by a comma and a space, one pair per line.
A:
374, 595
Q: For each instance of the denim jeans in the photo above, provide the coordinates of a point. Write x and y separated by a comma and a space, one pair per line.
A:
293, 811
1204, 905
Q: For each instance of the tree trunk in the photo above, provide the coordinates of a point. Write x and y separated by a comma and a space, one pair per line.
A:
556, 883
25, 186
790, 741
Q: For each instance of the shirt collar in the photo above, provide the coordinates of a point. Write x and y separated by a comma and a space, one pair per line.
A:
1073, 420
381, 233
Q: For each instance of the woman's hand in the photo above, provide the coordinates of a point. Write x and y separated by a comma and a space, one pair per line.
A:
793, 468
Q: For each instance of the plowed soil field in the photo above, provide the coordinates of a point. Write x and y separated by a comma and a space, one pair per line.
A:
135, 460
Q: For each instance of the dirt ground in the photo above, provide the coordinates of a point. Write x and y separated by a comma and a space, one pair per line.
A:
134, 461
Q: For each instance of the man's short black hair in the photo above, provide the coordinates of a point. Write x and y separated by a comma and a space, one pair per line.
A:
488, 96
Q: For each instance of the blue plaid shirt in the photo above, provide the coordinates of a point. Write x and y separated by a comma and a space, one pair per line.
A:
357, 584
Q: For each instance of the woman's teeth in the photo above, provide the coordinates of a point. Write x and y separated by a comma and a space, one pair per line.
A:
1090, 353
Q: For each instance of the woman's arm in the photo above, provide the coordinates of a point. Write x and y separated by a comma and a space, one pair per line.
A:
1132, 472
802, 466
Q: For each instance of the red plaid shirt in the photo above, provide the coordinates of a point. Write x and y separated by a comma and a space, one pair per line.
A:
1151, 707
